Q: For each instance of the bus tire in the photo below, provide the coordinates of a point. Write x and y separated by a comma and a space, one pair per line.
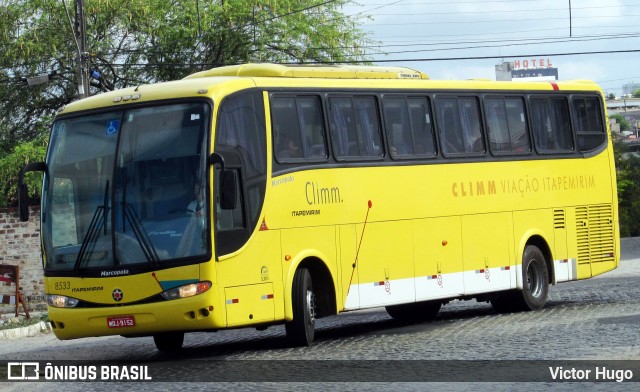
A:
418, 311
301, 330
168, 342
535, 279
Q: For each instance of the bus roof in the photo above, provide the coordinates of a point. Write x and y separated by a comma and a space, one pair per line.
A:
312, 71
227, 79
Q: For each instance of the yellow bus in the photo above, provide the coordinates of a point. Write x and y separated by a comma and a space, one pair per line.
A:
265, 194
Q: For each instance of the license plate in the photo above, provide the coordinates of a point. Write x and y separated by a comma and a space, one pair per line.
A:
121, 322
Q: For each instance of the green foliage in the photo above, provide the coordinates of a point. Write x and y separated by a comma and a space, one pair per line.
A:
10, 166
624, 124
628, 173
636, 93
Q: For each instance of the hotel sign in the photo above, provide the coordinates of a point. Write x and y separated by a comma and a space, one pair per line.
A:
532, 63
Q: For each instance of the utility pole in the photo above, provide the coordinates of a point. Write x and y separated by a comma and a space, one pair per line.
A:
83, 56
570, 23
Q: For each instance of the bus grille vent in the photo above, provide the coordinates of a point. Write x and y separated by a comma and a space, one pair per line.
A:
558, 219
594, 231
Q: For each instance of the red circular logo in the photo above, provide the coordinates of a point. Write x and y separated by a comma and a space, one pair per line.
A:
117, 295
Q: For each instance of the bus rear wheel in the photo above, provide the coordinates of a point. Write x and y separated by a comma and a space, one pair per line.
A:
417, 311
301, 330
535, 290
535, 285
169, 341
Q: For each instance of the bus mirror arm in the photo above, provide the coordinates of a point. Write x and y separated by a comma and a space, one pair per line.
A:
23, 192
216, 158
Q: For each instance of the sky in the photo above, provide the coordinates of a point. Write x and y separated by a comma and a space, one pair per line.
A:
412, 33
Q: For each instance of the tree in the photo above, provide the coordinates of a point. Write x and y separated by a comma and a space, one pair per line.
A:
624, 124
132, 42
628, 177
10, 165
636, 93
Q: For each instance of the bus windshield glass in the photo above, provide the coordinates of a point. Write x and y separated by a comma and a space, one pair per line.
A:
127, 189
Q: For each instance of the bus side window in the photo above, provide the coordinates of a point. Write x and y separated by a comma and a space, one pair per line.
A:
355, 128
497, 126
398, 126
551, 125
422, 127
448, 125
343, 130
368, 124
518, 131
309, 111
589, 128
506, 125
471, 128
562, 121
286, 129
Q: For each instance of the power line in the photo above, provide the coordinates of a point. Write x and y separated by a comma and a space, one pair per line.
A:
453, 3
390, 60
421, 38
494, 57
513, 42
501, 20
500, 11
523, 40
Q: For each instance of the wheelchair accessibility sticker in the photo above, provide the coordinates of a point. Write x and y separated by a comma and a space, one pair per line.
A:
112, 127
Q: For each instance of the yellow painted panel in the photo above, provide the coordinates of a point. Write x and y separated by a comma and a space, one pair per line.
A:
486, 241
249, 304
529, 223
602, 267
348, 275
260, 261
385, 251
584, 271
437, 246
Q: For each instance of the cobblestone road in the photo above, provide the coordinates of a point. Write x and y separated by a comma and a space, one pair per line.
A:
596, 319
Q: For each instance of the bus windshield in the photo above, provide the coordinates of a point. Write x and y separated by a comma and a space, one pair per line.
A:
127, 188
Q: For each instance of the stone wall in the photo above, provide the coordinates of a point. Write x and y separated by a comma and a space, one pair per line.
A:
20, 245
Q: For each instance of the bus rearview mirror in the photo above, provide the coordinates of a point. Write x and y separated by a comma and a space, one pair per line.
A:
23, 203
23, 191
228, 189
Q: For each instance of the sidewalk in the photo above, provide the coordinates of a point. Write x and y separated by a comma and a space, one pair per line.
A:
23, 332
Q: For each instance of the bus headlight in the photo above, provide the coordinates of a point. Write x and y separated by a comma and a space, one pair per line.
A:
60, 301
185, 291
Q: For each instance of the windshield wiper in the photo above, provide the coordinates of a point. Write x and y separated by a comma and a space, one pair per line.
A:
141, 235
129, 215
93, 232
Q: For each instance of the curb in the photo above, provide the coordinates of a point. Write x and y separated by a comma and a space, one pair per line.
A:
29, 331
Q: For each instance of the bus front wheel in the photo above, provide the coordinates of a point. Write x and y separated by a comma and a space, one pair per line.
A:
301, 330
170, 341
